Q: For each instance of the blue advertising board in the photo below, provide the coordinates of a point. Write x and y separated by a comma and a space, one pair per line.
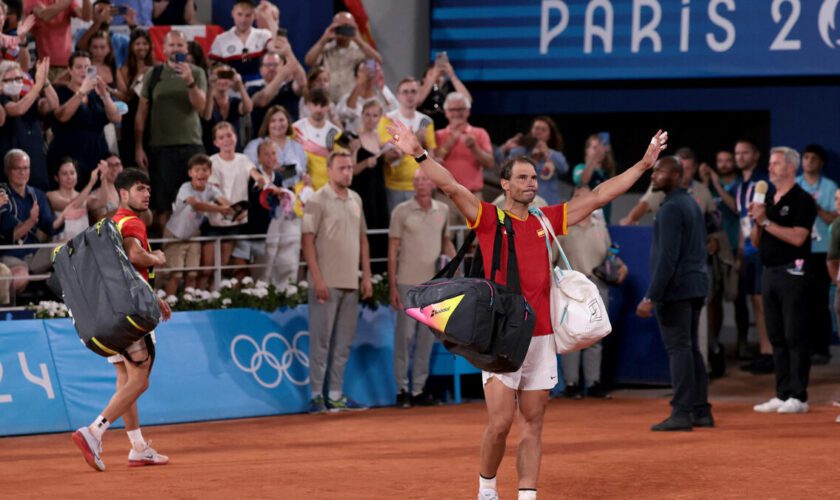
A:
31, 399
507, 40
226, 364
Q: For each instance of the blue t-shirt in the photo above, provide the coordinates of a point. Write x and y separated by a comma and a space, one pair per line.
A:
743, 191
729, 218
823, 194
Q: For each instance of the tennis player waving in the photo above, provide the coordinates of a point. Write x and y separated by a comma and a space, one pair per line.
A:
522, 394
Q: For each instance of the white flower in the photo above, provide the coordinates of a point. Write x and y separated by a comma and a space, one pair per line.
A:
189, 289
161, 294
247, 291
247, 280
291, 291
234, 281
171, 300
360, 273
188, 297
225, 284
216, 295
376, 278
226, 302
261, 284
303, 284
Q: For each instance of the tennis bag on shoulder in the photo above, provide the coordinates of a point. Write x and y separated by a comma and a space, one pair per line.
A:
488, 324
111, 304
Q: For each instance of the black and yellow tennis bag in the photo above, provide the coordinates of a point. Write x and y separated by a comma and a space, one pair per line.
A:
490, 325
112, 306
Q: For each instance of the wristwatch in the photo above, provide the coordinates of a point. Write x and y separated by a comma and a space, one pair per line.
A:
423, 157
766, 223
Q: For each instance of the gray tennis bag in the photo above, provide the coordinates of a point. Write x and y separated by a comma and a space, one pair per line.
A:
112, 306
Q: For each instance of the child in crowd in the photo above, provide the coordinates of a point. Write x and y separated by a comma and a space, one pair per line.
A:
230, 174
195, 199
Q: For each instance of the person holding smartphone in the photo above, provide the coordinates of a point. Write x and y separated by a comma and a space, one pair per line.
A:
173, 96
228, 102
598, 166
370, 86
338, 50
85, 108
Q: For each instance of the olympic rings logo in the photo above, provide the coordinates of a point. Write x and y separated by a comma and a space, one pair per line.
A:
282, 364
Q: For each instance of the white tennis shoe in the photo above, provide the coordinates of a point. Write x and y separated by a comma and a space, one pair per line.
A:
91, 448
771, 406
146, 457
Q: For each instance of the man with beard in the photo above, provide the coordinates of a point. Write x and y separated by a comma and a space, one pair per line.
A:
335, 247
678, 287
524, 393
746, 159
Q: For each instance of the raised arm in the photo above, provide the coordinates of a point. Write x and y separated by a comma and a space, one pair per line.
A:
405, 140
581, 206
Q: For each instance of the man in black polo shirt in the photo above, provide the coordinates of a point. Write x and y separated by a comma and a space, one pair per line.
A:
782, 234
678, 286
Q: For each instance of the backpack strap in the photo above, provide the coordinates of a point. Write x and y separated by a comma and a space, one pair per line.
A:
154, 79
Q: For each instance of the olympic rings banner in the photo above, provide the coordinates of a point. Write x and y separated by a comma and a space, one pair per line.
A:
507, 40
210, 365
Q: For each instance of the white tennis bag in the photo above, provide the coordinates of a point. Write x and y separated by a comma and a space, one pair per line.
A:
578, 314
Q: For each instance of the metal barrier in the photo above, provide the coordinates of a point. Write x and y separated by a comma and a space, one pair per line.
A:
217, 268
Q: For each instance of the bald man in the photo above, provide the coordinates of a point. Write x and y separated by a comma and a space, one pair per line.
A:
678, 287
340, 49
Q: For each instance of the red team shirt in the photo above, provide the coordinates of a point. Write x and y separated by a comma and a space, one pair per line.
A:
531, 255
134, 228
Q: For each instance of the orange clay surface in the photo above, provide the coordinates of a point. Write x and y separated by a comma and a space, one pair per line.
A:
591, 449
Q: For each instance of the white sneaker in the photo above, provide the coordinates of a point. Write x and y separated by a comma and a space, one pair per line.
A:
487, 494
771, 406
91, 448
146, 457
793, 405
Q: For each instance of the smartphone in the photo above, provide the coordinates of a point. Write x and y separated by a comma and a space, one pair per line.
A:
370, 66
90, 72
179, 57
288, 171
122, 10
441, 58
283, 32
226, 74
345, 30
604, 137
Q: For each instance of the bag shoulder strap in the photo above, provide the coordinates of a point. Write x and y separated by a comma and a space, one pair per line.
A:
449, 270
512, 280
549, 236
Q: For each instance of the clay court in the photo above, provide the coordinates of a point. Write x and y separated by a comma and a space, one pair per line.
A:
591, 449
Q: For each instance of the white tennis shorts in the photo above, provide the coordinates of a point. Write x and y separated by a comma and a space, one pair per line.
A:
537, 373
137, 345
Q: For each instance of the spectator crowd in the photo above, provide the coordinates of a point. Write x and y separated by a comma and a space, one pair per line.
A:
244, 140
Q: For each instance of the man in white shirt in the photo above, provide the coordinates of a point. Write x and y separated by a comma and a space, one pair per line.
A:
242, 46
399, 176
317, 136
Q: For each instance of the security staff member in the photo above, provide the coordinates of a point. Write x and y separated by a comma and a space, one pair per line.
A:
782, 234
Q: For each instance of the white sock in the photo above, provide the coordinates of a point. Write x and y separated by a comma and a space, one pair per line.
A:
528, 494
99, 426
486, 484
335, 395
136, 438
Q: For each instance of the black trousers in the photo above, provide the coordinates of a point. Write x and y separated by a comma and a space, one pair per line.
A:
819, 285
678, 321
785, 310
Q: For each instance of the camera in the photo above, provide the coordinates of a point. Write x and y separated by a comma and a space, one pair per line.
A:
345, 30
226, 74
344, 139
179, 57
